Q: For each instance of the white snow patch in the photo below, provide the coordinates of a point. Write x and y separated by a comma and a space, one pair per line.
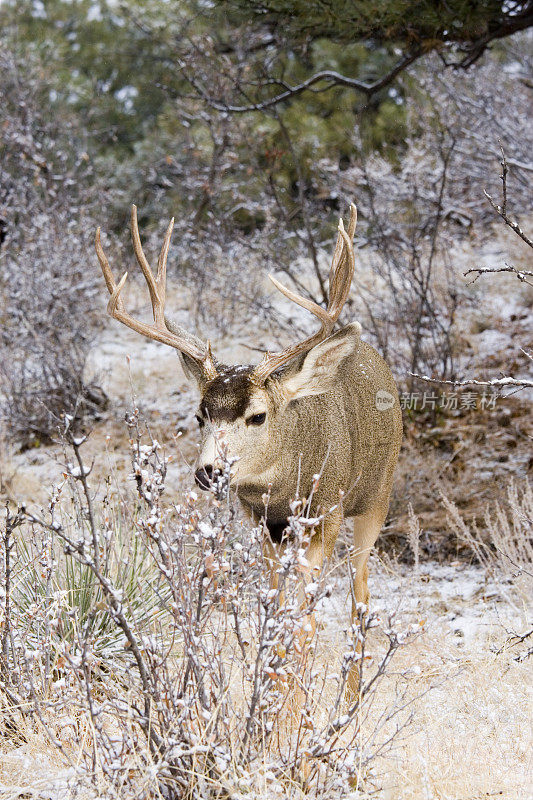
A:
456, 598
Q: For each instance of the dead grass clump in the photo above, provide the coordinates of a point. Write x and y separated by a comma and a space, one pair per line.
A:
507, 551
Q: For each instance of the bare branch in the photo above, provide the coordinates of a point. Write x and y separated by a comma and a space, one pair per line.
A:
522, 383
520, 164
513, 23
521, 274
331, 77
502, 210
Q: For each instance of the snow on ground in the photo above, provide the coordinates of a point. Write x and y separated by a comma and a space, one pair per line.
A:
457, 598
48, 781
470, 736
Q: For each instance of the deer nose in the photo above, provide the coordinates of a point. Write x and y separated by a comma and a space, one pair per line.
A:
204, 476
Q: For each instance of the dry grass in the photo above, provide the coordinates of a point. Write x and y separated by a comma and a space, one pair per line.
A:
507, 550
472, 736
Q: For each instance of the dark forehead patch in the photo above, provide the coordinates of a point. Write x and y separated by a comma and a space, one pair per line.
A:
226, 397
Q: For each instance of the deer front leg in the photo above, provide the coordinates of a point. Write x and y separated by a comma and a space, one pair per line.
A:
271, 555
366, 528
318, 550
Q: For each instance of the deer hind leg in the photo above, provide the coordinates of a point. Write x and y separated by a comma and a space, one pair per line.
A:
366, 530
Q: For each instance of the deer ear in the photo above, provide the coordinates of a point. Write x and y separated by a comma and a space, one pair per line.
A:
318, 372
193, 371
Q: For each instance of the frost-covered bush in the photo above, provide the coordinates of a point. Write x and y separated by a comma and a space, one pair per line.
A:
178, 670
416, 209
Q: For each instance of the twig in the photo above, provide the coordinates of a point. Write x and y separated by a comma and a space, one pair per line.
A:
518, 639
502, 210
499, 382
521, 274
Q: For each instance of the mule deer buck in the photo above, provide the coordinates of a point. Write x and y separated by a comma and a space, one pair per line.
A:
327, 404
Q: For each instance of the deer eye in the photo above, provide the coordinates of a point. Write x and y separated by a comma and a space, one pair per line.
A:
256, 419
200, 421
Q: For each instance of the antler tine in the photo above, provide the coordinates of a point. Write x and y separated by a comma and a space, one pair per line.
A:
340, 279
161, 280
304, 302
106, 269
341, 275
143, 261
116, 304
180, 339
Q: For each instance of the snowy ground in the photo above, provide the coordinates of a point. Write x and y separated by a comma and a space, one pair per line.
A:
458, 600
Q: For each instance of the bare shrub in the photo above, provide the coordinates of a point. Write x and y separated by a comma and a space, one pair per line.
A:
415, 211
49, 324
410, 304
181, 672
46, 284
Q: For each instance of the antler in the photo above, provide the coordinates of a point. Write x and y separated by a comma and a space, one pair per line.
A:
340, 279
179, 338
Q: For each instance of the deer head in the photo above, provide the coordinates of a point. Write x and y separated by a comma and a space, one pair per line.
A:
245, 412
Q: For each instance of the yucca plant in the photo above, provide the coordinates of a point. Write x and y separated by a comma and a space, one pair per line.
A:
60, 603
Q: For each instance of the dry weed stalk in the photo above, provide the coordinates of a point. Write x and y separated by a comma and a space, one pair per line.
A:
414, 532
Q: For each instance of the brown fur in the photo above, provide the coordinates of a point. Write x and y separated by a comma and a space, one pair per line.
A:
340, 433
226, 398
